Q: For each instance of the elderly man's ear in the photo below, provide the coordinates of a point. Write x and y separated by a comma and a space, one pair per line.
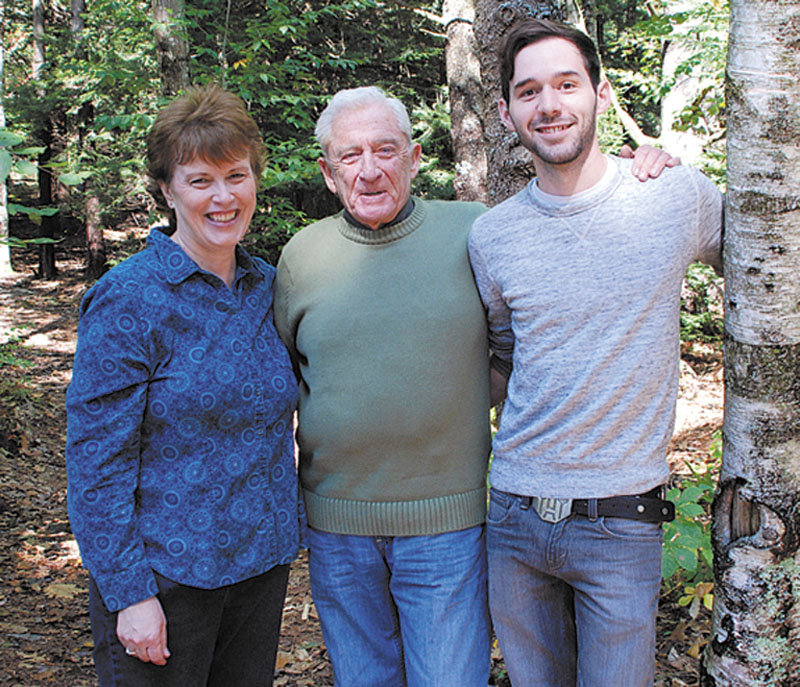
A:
648, 162
327, 174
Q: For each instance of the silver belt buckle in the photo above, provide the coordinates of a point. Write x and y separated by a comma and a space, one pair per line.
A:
552, 510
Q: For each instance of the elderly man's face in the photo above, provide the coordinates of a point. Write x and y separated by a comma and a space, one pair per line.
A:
370, 164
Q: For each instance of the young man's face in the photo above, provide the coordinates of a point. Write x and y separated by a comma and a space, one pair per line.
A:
552, 105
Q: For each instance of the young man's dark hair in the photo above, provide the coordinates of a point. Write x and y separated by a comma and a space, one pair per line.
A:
531, 31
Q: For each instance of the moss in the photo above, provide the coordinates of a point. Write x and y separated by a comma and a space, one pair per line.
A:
774, 658
766, 204
767, 373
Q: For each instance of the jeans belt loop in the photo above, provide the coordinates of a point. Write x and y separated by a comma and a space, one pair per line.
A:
592, 506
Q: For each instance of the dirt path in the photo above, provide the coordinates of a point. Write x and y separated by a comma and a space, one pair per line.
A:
44, 624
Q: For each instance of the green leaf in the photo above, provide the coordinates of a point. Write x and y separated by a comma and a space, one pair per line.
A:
687, 559
691, 510
29, 152
72, 179
26, 168
32, 212
9, 139
689, 495
708, 556
669, 564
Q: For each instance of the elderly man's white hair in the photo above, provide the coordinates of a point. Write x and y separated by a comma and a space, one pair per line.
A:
353, 99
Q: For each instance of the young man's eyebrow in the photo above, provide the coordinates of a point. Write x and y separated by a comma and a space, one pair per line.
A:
558, 75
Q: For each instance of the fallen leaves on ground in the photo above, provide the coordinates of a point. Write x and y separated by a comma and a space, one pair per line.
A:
44, 620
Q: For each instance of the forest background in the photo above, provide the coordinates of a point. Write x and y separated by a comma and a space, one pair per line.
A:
82, 81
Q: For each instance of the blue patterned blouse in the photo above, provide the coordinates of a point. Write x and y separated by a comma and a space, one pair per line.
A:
179, 440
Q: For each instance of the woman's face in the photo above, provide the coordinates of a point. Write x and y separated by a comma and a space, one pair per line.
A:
213, 203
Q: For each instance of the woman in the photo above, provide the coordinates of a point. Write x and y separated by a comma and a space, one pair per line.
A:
182, 487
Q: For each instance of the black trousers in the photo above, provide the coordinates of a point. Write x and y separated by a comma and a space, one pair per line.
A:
226, 637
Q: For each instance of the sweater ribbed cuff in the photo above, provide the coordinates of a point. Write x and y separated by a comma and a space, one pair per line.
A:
397, 518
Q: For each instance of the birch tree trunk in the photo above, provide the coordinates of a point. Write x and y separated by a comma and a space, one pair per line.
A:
466, 101
5, 249
756, 534
510, 165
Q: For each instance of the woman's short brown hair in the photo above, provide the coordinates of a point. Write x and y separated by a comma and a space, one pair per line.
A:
206, 122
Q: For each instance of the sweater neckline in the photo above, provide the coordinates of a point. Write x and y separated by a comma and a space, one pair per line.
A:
387, 234
580, 202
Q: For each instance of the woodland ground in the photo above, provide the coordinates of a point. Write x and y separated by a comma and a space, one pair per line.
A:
44, 623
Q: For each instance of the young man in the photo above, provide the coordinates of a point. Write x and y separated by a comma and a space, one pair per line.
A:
581, 274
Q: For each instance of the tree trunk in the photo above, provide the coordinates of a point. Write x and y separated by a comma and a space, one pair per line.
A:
5, 249
464, 85
77, 23
756, 533
49, 226
510, 165
93, 226
171, 45
95, 245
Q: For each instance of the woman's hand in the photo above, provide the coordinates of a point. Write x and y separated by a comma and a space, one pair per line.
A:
142, 630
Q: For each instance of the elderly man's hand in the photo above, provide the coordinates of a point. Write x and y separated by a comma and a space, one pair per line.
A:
648, 162
142, 630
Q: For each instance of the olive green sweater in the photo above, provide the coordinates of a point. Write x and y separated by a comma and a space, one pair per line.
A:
388, 337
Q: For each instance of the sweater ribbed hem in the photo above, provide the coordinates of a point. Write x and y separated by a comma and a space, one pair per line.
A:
396, 518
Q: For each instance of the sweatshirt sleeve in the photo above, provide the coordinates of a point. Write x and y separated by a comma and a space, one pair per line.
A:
710, 220
498, 314
105, 408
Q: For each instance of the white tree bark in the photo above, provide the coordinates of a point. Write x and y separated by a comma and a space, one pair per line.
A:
466, 100
756, 620
37, 61
172, 45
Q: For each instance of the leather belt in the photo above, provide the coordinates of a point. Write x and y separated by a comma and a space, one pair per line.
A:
650, 507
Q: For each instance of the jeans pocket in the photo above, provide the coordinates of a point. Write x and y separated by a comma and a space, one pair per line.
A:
500, 504
627, 528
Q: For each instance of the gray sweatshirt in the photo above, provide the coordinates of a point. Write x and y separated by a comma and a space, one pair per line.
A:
583, 297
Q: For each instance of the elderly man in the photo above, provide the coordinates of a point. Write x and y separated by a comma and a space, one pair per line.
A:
380, 313
379, 310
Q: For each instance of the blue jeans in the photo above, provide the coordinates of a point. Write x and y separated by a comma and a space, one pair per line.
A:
403, 611
573, 602
226, 637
